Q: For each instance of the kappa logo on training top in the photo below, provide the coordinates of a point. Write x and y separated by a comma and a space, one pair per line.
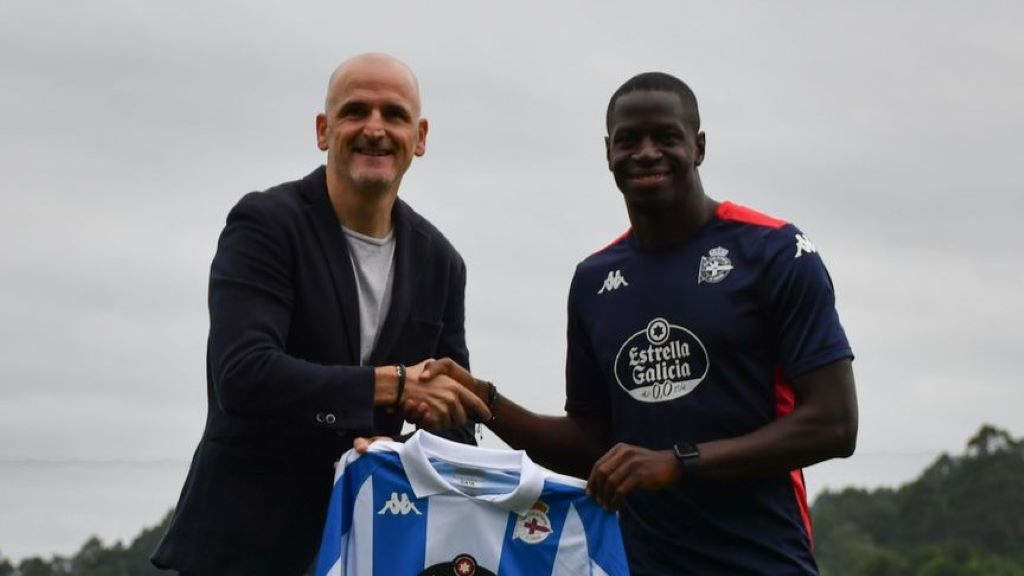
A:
613, 282
714, 267
803, 245
398, 505
661, 362
533, 526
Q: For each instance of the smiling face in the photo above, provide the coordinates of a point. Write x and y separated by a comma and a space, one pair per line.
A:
371, 126
653, 148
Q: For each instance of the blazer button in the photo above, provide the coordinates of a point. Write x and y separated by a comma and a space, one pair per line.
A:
330, 419
319, 417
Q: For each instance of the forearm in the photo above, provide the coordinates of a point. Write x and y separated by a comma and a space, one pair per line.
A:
252, 300
561, 443
805, 436
385, 385
565, 444
265, 382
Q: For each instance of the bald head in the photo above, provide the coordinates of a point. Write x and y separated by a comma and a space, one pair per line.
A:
370, 66
371, 128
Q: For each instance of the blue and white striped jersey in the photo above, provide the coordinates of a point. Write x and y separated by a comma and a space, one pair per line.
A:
430, 506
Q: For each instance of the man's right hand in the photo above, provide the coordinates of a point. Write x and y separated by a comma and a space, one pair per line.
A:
448, 367
436, 401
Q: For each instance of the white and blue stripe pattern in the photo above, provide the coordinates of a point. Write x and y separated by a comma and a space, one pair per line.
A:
400, 509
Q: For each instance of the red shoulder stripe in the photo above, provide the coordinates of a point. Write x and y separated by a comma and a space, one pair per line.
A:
621, 237
737, 213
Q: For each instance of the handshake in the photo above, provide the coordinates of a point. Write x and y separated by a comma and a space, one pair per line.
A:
437, 394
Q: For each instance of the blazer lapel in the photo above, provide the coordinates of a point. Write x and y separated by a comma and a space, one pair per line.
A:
411, 249
335, 249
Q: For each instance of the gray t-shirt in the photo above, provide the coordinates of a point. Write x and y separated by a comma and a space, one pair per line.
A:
372, 262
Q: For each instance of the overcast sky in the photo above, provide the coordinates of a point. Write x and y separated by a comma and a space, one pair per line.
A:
889, 134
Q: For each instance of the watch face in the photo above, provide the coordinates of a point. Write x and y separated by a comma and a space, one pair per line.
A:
686, 452
681, 450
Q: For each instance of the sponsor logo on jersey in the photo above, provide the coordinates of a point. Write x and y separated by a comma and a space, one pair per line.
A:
661, 362
398, 505
461, 565
533, 526
714, 267
803, 246
613, 282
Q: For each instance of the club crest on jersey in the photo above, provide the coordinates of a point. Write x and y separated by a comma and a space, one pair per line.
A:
714, 267
661, 362
461, 565
534, 525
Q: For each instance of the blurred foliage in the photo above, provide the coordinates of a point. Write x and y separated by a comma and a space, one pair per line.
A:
963, 516
95, 559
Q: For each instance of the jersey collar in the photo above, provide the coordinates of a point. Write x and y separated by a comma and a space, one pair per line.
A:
426, 481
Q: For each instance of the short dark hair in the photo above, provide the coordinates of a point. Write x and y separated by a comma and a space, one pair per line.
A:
660, 82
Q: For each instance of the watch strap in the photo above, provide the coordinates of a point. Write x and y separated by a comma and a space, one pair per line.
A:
688, 455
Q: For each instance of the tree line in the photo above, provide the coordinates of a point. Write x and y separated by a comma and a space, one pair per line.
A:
964, 515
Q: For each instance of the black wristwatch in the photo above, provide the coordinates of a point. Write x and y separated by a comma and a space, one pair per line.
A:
687, 454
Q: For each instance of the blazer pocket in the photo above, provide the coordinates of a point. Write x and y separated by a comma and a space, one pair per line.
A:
423, 338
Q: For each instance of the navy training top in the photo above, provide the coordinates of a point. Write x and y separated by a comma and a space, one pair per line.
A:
695, 343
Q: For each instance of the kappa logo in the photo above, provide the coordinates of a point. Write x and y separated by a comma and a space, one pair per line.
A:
714, 267
533, 526
398, 505
803, 246
613, 282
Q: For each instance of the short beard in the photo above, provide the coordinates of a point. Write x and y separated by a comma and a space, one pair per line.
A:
372, 187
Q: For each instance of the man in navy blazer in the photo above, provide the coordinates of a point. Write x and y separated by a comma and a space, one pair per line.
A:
313, 342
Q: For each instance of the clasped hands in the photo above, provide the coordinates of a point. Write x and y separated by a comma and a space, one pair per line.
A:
441, 394
436, 401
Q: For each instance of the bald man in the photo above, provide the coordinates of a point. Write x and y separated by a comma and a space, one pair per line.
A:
326, 296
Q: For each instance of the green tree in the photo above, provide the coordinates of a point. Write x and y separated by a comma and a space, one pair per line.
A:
96, 559
36, 567
6, 568
964, 515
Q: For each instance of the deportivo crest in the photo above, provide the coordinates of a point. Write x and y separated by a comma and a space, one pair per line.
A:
461, 565
714, 267
534, 525
661, 362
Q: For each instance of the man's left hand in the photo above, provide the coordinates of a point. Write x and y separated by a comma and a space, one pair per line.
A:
625, 468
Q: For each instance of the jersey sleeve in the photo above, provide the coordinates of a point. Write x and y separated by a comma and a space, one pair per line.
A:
584, 392
800, 303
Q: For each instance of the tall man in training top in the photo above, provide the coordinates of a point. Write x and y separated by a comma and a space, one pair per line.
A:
326, 294
706, 363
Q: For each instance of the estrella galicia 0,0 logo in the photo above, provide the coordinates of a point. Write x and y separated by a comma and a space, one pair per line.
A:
661, 362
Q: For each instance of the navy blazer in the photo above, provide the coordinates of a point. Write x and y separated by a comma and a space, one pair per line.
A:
286, 394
